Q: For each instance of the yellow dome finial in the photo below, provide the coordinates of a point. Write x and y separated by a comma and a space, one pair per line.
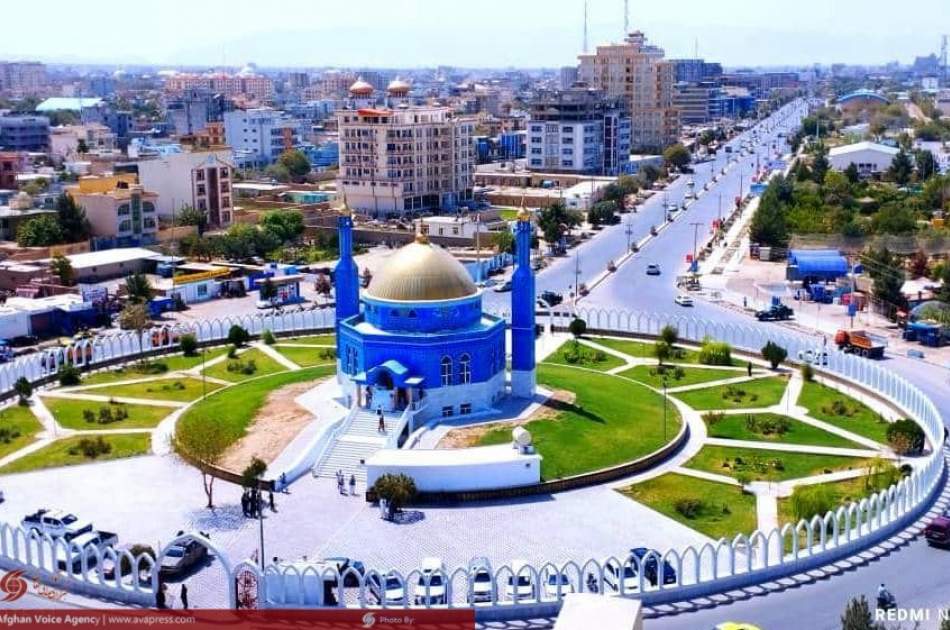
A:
422, 239
345, 209
523, 214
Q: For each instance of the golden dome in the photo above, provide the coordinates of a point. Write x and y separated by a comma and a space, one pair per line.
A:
524, 215
361, 88
398, 87
421, 272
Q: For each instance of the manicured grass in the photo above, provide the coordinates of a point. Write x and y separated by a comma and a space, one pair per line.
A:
723, 511
650, 375
306, 357
263, 365
583, 356
18, 428
833, 407
59, 452
183, 389
611, 422
761, 392
172, 363
69, 413
842, 493
508, 214
310, 340
769, 465
738, 427
234, 408
644, 350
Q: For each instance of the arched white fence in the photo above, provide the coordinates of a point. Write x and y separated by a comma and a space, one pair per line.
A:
507, 592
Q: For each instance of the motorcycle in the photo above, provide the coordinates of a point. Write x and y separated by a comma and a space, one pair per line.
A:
886, 601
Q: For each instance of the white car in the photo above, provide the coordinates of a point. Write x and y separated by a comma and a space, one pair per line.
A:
557, 585
520, 586
388, 590
56, 523
430, 588
683, 300
482, 590
621, 578
814, 357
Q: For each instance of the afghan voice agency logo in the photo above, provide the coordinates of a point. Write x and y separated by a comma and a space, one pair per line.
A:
369, 620
13, 586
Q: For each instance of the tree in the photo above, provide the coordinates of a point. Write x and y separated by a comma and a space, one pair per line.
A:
503, 241
72, 219
267, 289
768, 226
68, 375
203, 443
138, 288
285, 225
134, 316
603, 213
323, 286
238, 336
809, 501
919, 264
774, 354
555, 221
42, 231
858, 616
296, 163
188, 344
905, 437
189, 215
888, 278
677, 156
398, 490
23, 389
852, 173
820, 164
926, 164
901, 168
577, 327
253, 472
662, 351
60, 267
670, 334
278, 172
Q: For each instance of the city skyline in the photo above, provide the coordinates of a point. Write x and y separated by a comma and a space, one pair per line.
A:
407, 33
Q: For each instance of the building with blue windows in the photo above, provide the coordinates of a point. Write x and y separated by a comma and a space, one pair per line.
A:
421, 339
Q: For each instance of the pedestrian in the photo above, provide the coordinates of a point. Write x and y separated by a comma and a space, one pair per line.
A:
745, 302
161, 598
270, 497
382, 421
184, 596
748, 368
283, 482
352, 485
244, 507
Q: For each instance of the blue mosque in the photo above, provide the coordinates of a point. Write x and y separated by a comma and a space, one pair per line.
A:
421, 339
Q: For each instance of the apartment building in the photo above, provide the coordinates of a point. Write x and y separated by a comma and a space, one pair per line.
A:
259, 136
24, 133
22, 78
578, 130
119, 209
11, 164
638, 73
397, 161
698, 104
245, 85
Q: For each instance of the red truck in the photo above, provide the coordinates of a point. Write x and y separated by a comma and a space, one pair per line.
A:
859, 342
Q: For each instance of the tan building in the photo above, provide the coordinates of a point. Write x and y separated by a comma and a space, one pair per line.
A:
243, 84
396, 161
637, 72
118, 207
71, 141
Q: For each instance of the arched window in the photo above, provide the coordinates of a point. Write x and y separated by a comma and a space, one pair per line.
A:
446, 365
465, 369
412, 314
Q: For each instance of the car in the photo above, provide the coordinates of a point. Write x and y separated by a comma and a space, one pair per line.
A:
551, 298
389, 590
673, 207
611, 266
55, 523
487, 282
621, 578
776, 312
814, 357
482, 588
651, 564
653, 269
735, 625
557, 585
504, 287
83, 546
430, 587
351, 570
182, 556
520, 586
683, 300
271, 303
937, 532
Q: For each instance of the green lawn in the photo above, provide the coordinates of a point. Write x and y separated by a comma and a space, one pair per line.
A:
762, 392
508, 214
153, 367
310, 340
824, 403
69, 414
306, 357
762, 427
65, 452
611, 422
234, 407
842, 493
769, 465
721, 511
18, 428
690, 376
263, 365
644, 350
183, 389
583, 356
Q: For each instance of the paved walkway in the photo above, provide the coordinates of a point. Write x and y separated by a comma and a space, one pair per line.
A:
276, 356
151, 402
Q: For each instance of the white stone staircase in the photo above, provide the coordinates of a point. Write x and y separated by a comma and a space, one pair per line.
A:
360, 440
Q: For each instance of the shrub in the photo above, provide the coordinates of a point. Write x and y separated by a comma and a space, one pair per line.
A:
713, 417
7, 435
189, 344
809, 501
268, 338
808, 372
768, 425
689, 508
670, 334
91, 448
242, 367
23, 389
327, 354
68, 374
578, 327
398, 490
715, 353
238, 336
905, 437
774, 354
136, 550
89, 415
232, 352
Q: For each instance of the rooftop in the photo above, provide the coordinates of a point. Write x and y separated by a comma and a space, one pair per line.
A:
111, 257
67, 103
863, 146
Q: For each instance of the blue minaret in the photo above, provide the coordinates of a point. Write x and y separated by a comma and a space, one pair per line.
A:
522, 311
346, 275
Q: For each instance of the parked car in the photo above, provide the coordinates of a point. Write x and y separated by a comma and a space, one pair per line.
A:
504, 287
389, 590
776, 312
520, 586
814, 357
430, 588
551, 298
650, 566
482, 590
683, 300
56, 523
621, 578
352, 570
937, 532
487, 282
181, 557
556, 583
70, 558
611, 266
653, 269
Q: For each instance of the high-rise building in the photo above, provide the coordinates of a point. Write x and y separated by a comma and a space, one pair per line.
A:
259, 136
578, 130
394, 161
24, 133
568, 76
22, 78
695, 70
638, 73
194, 108
244, 84
698, 103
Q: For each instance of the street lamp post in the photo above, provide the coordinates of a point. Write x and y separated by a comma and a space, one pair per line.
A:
629, 232
664, 408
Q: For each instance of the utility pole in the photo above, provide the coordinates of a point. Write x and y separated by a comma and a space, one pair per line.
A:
478, 250
696, 225
577, 276
629, 232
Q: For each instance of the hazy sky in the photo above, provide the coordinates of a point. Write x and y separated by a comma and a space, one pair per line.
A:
483, 33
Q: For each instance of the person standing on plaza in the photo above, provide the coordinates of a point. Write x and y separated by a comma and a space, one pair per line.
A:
382, 420
749, 368
352, 485
184, 596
